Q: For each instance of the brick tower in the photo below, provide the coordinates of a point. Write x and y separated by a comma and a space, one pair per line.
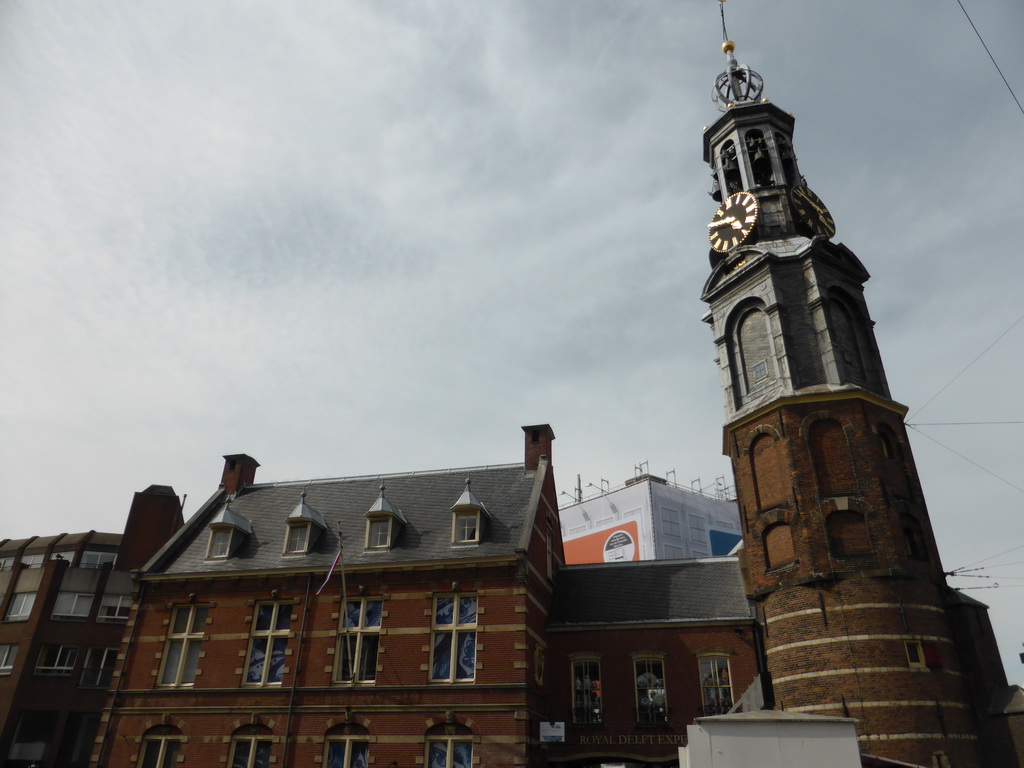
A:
841, 559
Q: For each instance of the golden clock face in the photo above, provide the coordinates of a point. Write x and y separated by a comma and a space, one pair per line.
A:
733, 221
812, 212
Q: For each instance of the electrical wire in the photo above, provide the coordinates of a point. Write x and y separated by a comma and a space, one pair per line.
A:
969, 461
983, 45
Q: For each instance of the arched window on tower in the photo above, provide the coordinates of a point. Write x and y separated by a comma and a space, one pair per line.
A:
760, 159
846, 342
730, 166
755, 367
847, 533
787, 158
778, 545
913, 537
830, 455
766, 472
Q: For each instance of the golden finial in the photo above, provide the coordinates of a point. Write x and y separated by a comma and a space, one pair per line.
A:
728, 46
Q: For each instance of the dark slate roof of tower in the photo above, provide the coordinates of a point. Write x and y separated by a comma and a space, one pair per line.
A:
650, 591
425, 499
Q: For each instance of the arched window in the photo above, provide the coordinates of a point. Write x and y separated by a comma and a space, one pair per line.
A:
251, 747
845, 342
160, 747
347, 746
754, 365
730, 166
830, 455
913, 537
847, 533
760, 159
766, 471
787, 159
778, 545
449, 745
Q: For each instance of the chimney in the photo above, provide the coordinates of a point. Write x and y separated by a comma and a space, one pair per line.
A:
239, 471
154, 516
538, 443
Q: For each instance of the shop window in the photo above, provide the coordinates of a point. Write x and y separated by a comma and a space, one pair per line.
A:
454, 639
56, 660
341, 752
586, 692
21, 606
184, 642
359, 641
271, 629
32, 739
715, 685
651, 704
72, 605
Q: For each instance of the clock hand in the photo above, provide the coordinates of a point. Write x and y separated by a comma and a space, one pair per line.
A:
719, 223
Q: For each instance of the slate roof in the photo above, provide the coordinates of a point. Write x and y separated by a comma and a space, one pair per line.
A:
425, 498
649, 591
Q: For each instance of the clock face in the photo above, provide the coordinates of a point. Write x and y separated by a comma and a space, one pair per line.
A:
812, 212
733, 221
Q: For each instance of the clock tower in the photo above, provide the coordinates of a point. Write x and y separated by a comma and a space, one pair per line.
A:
840, 558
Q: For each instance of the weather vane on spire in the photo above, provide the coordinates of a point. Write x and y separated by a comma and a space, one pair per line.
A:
738, 84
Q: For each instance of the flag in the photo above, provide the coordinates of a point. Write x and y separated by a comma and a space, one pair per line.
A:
334, 565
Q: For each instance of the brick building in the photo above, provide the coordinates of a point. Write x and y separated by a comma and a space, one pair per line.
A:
66, 600
842, 562
449, 633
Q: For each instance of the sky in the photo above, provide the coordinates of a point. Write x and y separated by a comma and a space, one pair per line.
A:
355, 238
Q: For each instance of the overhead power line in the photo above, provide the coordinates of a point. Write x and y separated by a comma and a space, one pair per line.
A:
983, 45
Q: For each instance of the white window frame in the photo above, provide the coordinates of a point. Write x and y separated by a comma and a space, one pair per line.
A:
351, 744
59, 662
456, 634
291, 545
466, 527
122, 604
253, 744
20, 607
219, 546
270, 637
33, 561
448, 744
362, 639
7, 563
93, 558
186, 633
72, 605
8, 655
375, 526
165, 756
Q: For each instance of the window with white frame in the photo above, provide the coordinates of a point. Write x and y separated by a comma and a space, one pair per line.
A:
33, 561
715, 685
184, 643
450, 752
250, 752
6, 563
454, 639
271, 628
466, 527
378, 532
20, 606
651, 703
586, 691
72, 605
99, 667
94, 559
8, 655
346, 752
114, 608
160, 748
297, 540
359, 641
56, 660
220, 543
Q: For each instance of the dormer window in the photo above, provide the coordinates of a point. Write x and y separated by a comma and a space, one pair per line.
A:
227, 530
383, 523
468, 517
305, 525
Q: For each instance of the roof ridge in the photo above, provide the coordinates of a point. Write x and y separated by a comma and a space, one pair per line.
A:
378, 476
